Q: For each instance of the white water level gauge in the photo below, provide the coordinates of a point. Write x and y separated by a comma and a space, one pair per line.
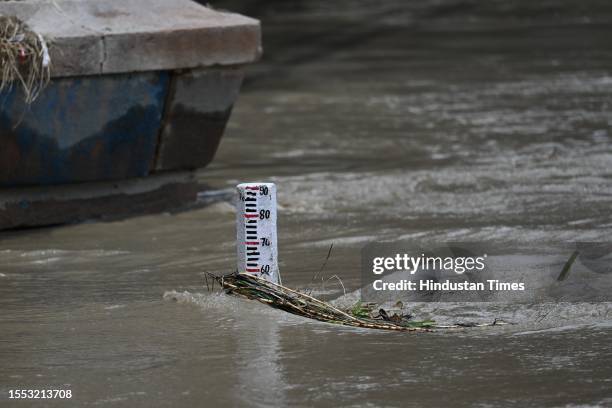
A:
256, 231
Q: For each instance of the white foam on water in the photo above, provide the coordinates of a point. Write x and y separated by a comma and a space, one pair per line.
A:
524, 318
338, 241
570, 327
599, 325
113, 307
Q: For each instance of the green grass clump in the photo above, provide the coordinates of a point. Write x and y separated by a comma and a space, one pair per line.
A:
360, 310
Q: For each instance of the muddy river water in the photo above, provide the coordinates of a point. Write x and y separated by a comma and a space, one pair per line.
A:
436, 121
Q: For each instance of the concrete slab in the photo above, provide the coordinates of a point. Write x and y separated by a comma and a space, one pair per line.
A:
27, 207
89, 37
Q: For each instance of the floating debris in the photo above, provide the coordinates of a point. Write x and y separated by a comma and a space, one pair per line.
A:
301, 304
24, 58
292, 301
568, 265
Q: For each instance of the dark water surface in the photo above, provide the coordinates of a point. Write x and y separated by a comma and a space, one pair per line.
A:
433, 121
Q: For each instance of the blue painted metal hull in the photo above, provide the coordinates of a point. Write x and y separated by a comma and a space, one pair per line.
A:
115, 127
82, 129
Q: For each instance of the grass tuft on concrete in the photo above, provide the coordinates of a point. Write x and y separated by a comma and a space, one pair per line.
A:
24, 58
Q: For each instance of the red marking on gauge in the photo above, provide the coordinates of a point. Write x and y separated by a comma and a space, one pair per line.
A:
251, 243
251, 215
252, 188
252, 270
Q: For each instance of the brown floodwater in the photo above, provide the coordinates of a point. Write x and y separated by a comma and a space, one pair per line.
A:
434, 121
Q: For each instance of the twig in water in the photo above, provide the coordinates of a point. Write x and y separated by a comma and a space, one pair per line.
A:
338, 279
568, 265
316, 275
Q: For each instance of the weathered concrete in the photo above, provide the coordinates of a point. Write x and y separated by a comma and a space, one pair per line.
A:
91, 37
38, 206
198, 107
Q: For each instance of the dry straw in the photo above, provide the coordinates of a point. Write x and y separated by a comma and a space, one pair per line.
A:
292, 301
299, 303
24, 58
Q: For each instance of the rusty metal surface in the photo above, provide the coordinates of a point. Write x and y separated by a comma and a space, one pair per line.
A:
198, 108
82, 129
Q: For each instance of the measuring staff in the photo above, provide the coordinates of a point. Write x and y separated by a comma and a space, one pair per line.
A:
256, 240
